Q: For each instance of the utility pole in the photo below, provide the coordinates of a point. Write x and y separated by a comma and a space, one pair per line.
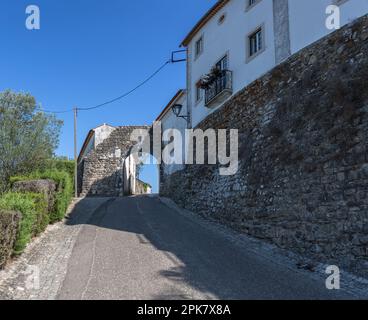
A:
75, 153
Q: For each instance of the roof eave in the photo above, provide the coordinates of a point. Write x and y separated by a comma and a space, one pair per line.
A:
86, 141
208, 16
177, 96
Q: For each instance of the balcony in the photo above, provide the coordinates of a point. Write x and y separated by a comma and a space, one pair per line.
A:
219, 89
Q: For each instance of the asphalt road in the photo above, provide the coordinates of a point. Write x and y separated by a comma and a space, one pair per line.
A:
139, 248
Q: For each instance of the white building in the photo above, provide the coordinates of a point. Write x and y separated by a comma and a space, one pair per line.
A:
170, 121
245, 39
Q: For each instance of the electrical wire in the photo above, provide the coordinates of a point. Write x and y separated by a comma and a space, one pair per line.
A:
129, 92
113, 100
54, 112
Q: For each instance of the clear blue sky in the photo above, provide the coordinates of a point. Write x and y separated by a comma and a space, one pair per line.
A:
89, 51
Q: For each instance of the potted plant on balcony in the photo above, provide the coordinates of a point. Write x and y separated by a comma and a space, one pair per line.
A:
208, 79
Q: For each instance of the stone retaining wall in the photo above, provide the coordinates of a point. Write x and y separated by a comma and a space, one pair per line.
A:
303, 177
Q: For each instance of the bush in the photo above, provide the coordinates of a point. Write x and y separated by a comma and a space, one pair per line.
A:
35, 219
42, 213
47, 187
64, 191
60, 165
9, 224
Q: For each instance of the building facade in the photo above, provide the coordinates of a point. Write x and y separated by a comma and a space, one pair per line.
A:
94, 138
169, 122
237, 41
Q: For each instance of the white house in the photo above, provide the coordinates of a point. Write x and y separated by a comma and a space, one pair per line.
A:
170, 121
244, 39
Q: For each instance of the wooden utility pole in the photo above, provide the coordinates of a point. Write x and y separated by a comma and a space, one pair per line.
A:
75, 153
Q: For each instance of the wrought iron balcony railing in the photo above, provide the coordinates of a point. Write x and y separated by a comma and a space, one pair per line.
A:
220, 88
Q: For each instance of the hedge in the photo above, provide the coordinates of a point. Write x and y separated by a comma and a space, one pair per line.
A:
45, 186
60, 165
34, 220
32, 204
64, 191
9, 224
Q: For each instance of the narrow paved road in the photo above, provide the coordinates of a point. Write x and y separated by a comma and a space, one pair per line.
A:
139, 248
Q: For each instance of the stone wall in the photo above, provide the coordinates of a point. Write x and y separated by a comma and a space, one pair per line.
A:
303, 177
101, 172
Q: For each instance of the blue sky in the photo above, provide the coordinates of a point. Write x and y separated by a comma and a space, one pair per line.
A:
90, 51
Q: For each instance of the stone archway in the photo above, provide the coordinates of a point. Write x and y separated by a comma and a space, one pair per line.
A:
108, 169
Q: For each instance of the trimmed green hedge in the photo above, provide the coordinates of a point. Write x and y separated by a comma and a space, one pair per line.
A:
64, 191
60, 165
35, 219
34, 207
9, 225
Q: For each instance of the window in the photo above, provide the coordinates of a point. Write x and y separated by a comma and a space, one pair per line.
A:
222, 19
199, 47
255, 43
251, 4
340, 2
223, 64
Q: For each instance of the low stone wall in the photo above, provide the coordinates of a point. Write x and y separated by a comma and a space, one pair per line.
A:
303, 177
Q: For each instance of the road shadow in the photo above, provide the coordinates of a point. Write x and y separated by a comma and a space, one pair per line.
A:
205, 261
148, 233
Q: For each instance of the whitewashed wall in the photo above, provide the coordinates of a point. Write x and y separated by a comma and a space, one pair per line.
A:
308, 19
170, 121
89, 148
102, 133
231, 37
307, 23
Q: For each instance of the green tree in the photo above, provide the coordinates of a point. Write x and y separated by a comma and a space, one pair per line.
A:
28, 137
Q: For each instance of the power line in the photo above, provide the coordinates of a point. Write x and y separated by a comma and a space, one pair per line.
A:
54, 112
129, 92
113, 100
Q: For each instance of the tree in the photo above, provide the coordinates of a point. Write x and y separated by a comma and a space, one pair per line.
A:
28, 137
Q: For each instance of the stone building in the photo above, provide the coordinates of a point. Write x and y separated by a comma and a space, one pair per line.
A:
105, 165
